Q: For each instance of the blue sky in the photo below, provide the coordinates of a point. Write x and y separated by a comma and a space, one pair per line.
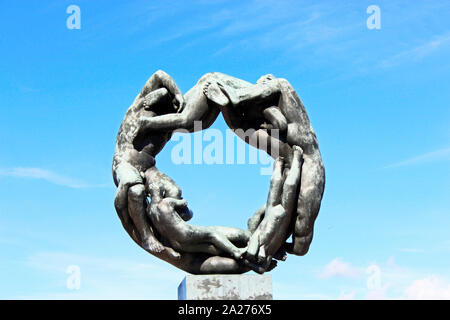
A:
378, 101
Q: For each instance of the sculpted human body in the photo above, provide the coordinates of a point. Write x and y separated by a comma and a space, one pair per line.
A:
292, 128
134, 170
273, 229
268, 115
135, 154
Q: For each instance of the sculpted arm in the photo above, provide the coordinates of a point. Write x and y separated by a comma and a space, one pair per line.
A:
256, 219
160, 79
259, 92
276, 119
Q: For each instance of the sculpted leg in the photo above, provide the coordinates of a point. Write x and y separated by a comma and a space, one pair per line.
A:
311, 191
253, 246
222, 243
253, 94
237, 236
276, 184
121, 205
137, 208
290, 187
255, 250
126, 176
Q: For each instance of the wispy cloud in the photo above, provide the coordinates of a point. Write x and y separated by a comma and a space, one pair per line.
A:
434, 156
339, 268
417, 53
279, 27
47, 175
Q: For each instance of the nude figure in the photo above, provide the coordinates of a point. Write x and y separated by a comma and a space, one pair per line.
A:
169, 217
196, 107
134, 168
204, 101
301, 133
294, 129
161, 108
135, 153
273, 229
156, 113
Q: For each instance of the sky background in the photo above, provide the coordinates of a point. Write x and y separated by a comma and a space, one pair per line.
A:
377, 99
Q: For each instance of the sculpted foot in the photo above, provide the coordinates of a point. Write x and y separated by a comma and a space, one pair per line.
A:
152, 246
213, 93
154, 97
171, 254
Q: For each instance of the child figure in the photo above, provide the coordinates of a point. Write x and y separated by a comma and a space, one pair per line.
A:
169, 216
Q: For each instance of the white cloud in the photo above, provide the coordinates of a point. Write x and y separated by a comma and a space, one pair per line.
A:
339, 268
378, 293
122, 278
346, 295
390, 281
418, 52
431, 287
47, 175
438, 155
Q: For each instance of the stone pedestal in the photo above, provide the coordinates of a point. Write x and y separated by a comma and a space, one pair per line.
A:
226, 287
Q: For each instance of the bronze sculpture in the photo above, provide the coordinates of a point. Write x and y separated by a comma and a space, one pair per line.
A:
268, 115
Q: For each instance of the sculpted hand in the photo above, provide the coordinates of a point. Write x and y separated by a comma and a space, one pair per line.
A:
178, 102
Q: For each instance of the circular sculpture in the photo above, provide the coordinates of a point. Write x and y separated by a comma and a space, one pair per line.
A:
268, 115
